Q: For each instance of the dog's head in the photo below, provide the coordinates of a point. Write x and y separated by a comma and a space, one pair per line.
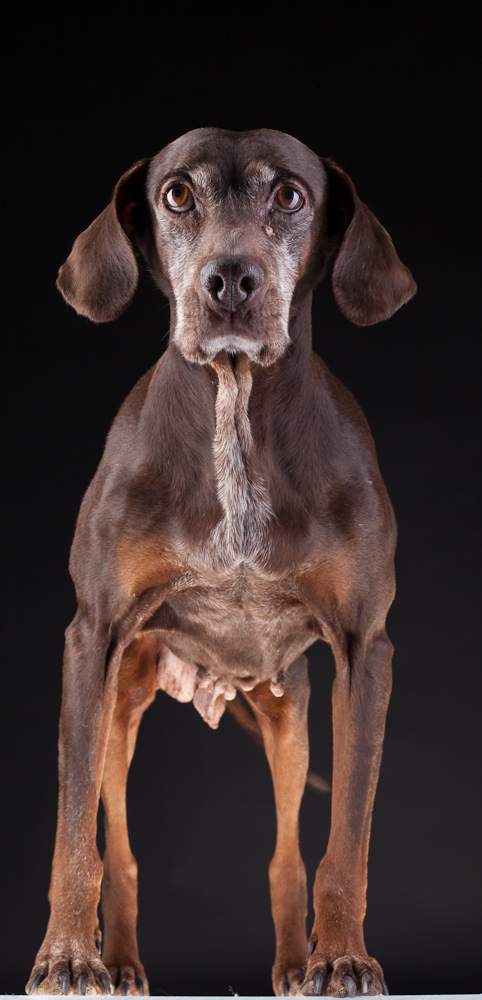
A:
236, 227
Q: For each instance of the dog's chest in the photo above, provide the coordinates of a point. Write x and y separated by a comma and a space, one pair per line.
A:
236, 611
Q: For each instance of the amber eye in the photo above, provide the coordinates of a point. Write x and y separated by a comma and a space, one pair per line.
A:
288, 199
179, 198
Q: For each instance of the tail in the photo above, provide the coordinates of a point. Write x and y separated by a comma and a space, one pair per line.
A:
240, 712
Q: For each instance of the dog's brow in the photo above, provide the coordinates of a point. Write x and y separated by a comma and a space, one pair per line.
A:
259, 170
201, 174
203, 177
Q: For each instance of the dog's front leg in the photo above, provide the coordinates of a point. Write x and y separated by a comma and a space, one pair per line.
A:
68, 960
136, 690
338, 963
283, 723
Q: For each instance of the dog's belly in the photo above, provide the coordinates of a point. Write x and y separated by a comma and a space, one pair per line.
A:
233, 636
245, 629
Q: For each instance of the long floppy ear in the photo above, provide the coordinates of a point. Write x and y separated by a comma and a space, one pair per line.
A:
369, 280
100, 276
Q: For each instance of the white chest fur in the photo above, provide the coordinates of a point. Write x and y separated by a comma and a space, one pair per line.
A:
240, 485
240, 536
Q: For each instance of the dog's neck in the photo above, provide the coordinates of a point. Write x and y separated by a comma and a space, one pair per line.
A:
234, 450
241, 489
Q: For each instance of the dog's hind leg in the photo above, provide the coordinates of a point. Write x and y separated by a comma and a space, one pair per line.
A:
283, 723
136, 691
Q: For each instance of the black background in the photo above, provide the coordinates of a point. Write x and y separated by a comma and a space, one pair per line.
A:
390, 93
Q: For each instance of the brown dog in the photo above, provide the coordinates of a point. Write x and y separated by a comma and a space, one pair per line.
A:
238, 515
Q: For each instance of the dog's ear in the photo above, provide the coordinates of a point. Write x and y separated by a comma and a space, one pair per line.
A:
100, 276
369, 280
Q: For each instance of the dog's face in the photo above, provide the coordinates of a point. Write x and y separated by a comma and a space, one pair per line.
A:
236, 228
235, 220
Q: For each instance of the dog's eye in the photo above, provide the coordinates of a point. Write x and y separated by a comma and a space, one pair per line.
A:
179, 198
288, 199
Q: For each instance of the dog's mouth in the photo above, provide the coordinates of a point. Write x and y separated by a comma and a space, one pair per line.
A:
261, 351
258, 330
263, 342
233, 344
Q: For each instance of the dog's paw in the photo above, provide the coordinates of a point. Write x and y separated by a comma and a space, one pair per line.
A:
129, 979
347, 976
287, 982
69, 971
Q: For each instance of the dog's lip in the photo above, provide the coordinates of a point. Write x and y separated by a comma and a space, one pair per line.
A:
230, 342
226, 330
245, 683
218, 316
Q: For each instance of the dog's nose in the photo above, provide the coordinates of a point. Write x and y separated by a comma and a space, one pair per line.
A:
230, 281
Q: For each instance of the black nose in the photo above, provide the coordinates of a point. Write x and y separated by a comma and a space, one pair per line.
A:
230, 281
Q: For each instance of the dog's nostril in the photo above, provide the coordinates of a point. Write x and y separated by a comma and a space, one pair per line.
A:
248, 284
215, 284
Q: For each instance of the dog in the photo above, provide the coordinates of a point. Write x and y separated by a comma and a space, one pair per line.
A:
238, 515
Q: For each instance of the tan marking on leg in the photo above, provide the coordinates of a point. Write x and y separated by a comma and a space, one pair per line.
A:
137, 689
285, 735
143, 563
